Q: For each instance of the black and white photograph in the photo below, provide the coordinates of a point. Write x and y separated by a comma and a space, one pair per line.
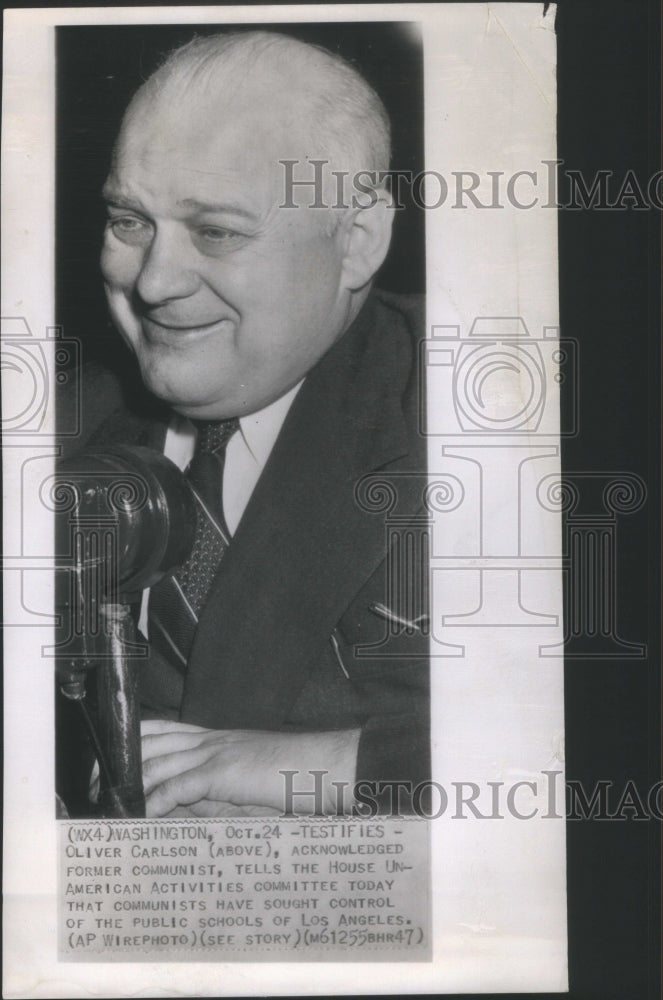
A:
331, 522
276, 681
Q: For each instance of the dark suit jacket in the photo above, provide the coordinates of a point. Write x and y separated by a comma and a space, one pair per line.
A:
290, 638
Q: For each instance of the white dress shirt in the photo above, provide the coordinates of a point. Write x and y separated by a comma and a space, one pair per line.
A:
246, 456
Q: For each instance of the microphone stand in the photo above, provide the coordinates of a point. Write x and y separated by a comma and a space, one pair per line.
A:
130, 519
118, 717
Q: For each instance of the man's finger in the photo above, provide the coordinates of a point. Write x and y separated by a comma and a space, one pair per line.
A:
179, 812
208, 808
166, 766
158, 745
153, 726
183, 789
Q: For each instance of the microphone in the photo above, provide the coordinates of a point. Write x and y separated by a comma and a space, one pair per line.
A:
125, 516
143, 497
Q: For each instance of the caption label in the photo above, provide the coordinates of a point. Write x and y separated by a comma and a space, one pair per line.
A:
245, 890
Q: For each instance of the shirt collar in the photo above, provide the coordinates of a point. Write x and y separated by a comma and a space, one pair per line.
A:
259, 431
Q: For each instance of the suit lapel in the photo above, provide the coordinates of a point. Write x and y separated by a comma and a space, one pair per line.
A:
305, 545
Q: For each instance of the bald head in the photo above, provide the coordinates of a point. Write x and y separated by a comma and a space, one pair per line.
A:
321, 107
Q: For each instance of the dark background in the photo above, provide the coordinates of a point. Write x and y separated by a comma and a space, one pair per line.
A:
609, 118
99, 68
609, 63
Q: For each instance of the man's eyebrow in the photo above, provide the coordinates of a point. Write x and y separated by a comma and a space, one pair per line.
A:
227, 208
119, 200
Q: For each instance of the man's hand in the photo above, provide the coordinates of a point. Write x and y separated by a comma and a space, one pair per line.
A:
192, 771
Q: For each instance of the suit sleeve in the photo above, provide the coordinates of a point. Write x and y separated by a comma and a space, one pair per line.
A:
393, 763
390, 676
388, 670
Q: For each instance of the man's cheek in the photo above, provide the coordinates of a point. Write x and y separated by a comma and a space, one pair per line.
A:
120, 265
110, 262
123, 316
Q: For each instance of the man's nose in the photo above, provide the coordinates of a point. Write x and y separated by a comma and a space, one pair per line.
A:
167, 270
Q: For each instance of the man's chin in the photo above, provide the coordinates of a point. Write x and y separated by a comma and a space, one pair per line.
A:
202, 402
179, 396
183, 400
204, 411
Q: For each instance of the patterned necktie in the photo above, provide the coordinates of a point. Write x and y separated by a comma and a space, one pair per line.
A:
176, 602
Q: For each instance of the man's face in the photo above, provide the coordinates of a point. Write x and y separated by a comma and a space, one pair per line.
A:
226, 300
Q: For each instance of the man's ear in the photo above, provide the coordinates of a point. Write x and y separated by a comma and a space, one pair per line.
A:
366, 235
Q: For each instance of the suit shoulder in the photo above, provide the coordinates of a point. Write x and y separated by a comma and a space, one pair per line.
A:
88, 397
409, 310
96, 396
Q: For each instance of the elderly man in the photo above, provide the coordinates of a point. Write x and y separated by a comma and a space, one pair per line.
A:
251, 315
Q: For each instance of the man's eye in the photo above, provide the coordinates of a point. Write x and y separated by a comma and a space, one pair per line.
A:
216, 234
216, 241
130, 230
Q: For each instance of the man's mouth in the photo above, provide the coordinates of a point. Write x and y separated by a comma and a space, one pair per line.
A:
161, 331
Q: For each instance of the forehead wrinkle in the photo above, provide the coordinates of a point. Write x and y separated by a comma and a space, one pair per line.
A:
247, 139
269, 98
209, 173
175, 139
215, 206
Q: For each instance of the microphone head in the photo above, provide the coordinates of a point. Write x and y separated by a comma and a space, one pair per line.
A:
126, 512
